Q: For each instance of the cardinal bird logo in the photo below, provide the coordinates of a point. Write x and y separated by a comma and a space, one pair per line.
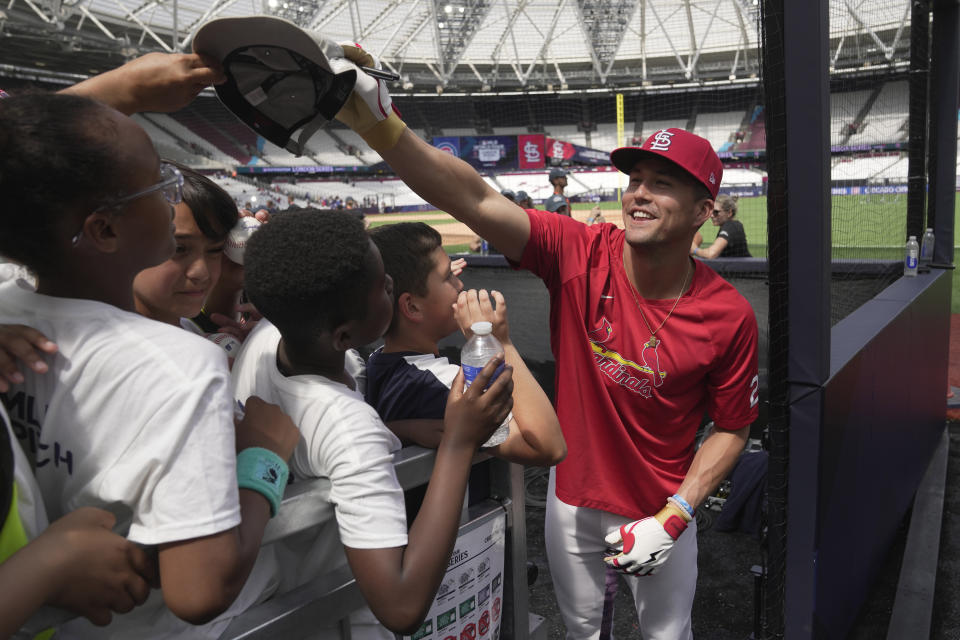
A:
602, 333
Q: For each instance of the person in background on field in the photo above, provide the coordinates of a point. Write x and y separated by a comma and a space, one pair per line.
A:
557, 202
731, 239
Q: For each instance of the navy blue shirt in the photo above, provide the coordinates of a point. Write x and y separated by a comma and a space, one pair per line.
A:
408, 385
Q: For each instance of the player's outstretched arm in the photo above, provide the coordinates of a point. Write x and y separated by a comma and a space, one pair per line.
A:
399, 583
446, 182
452, 185
535, 436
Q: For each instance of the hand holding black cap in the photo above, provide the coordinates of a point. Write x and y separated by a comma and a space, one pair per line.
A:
280, 78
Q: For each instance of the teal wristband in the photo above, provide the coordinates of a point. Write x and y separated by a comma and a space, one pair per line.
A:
263, 471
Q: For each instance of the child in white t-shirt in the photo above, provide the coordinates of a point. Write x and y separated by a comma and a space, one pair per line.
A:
77, 564
319, 280
133, 416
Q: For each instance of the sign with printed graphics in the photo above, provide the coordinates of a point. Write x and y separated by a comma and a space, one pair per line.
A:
449, 145
468, 602
487, 153
532, 154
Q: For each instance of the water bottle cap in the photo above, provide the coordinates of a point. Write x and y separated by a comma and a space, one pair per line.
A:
912, 238
929, 229
481, 328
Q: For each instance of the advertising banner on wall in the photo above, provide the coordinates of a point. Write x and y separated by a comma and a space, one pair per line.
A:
532, 154
469, 603
559, 151
449, 144
489, 153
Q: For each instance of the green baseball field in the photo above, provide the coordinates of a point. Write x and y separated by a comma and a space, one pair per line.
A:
867, 227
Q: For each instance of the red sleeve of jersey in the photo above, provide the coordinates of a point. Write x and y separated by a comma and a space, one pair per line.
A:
556, 249
733, 384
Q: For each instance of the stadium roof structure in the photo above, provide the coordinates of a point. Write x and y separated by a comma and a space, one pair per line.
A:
461, 45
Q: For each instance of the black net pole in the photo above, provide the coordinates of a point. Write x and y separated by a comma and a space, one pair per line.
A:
944, 72
772, 52
917, 146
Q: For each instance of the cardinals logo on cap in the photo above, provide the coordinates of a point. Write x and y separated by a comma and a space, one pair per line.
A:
661, 140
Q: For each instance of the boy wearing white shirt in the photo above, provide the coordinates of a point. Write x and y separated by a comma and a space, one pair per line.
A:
319, 280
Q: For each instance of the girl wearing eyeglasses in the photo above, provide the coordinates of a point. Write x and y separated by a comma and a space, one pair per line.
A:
731, 239
132, 414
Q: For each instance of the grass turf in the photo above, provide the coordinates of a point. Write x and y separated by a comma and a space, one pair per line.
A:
864, 227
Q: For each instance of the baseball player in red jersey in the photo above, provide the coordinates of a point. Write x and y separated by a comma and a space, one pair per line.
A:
646, 342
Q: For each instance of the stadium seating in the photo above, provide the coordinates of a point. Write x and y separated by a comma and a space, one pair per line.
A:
207, 137
718, 128
184, 137
886, 121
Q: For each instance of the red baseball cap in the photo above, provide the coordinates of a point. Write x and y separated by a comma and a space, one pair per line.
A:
690, 152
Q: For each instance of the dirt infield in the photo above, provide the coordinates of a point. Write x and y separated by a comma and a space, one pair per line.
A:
454, 232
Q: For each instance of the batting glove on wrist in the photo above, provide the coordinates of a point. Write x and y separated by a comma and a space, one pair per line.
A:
369, 110
646, 543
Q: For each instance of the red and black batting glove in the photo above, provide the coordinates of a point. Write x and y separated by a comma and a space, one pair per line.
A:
646, 543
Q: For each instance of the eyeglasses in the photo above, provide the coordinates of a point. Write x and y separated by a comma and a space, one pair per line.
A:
170, 185
715, 213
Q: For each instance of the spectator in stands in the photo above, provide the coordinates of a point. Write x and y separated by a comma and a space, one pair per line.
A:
406, 380
731, 239
644, 338
132, 412
320, 281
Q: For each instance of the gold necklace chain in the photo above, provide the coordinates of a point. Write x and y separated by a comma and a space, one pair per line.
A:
652, 342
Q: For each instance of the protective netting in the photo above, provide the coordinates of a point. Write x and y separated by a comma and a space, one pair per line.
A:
869, 133
775, 541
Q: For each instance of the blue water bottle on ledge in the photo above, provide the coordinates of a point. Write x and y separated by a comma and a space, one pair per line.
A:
911, 259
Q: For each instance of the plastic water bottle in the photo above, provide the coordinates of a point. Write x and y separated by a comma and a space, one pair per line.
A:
477, 352
911, 259
926, 248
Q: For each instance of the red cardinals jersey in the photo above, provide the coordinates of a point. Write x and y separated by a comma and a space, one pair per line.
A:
630, 410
